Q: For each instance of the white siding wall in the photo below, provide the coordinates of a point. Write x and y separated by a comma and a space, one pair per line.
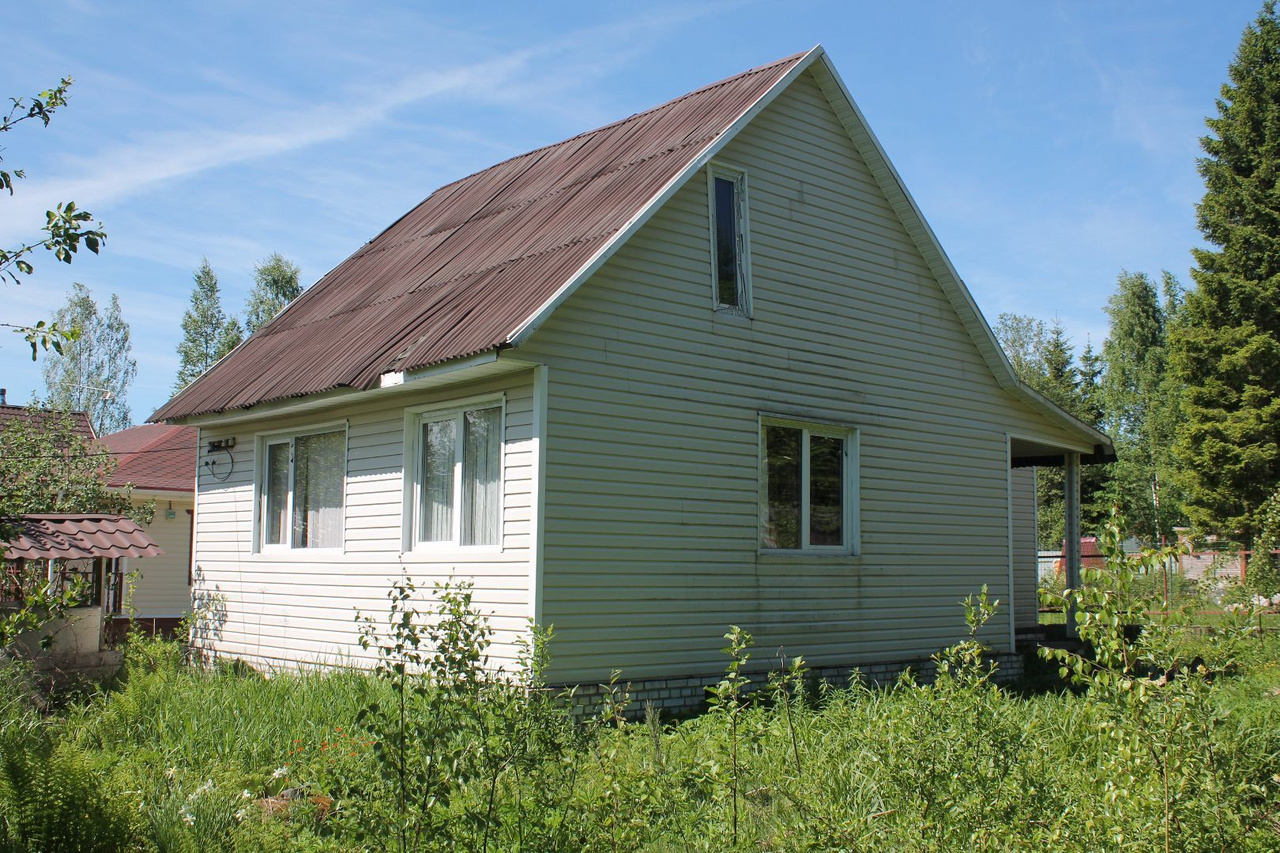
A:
160, 586
1025, 562
651, 481
300, 607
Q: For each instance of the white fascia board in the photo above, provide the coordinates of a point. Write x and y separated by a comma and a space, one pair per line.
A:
530, 325
935, 256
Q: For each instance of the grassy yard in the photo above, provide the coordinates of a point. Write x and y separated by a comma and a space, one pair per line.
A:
174, 758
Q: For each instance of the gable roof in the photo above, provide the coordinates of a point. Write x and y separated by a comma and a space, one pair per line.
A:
80, 424
462, 271
484, 261
154, 457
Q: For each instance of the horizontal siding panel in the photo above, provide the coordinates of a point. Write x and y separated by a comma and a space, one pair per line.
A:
298, 607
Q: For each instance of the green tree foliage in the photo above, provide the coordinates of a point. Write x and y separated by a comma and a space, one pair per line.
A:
1227, 352
1042, 356
207, 332
275, 285
47, 466
65, 227
1140, 405
96, 370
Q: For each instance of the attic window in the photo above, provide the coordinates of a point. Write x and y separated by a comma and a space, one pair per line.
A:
727, 197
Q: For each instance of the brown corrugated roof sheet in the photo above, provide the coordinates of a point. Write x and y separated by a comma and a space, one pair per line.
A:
154, 457
72, 536
80, 424
459, 273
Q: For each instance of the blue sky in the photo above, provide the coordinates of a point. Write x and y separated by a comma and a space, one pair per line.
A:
1050, 145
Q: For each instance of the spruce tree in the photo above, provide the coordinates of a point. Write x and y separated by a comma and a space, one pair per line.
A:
275, 285
1140, 403
1043, 358
207, 332
94, 372
1227, 352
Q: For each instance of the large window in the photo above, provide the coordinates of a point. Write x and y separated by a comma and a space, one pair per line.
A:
807, 488
301, 490
730, 254
457, 493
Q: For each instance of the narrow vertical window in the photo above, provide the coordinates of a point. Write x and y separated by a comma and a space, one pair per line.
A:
782, 487
275, 500
481, 464
729, 239
826, 490
438, 458
318, 469
726, 193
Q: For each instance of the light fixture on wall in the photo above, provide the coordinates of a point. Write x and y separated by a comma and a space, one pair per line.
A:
169, 513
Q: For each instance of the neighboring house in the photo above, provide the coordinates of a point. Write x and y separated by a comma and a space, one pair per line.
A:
80, 424
57, 548
159, 461
700, 367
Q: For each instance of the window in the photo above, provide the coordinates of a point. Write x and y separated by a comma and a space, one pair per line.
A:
301, 491
807, 488
458, 488
729, 249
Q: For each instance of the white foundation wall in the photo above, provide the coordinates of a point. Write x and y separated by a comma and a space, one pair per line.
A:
298, 608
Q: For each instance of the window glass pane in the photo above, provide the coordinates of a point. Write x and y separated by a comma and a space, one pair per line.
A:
726, 221
781, 510
826, 490
481, 483
435, 520
319, 463
276, 495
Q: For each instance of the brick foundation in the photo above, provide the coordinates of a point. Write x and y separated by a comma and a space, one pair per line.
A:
688, 694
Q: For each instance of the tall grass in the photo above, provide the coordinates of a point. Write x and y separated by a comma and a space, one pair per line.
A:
176, 758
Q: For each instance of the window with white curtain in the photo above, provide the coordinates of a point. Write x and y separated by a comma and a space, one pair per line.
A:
808, 487
301, 490
458, 488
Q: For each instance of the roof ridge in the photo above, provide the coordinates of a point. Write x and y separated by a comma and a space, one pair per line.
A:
759, 69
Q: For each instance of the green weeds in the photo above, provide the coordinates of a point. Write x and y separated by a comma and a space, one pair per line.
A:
1162, 747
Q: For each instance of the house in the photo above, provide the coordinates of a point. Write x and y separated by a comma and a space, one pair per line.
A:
159, 461
704, 366
79, 421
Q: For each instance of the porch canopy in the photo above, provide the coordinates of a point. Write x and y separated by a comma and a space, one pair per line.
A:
1026, 454
72, 536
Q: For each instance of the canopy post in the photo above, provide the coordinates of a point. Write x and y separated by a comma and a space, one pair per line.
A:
1071, 546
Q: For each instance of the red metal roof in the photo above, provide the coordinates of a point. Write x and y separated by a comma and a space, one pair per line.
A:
155, 457
459, 273
79, 420
74, 535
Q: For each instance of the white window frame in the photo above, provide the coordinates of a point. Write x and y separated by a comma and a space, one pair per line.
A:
739, 178
414, 418
264, 440
850, 523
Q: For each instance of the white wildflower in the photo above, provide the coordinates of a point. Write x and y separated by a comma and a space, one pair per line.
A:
245, 794
188, 818
280, 772
171, 772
